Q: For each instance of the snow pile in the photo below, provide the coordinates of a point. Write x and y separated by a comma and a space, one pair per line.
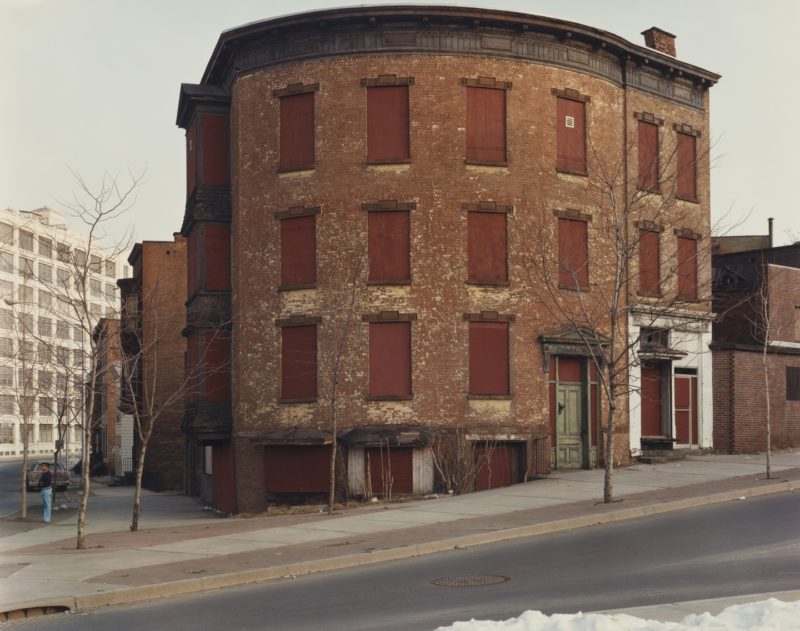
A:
767, 615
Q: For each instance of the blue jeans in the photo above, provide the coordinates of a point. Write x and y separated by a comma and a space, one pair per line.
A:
47, 503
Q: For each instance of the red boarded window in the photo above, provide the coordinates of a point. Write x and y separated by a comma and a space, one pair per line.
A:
487, 251
687, 268
390, 470
215, 151
649, 263
217, 256
191, 369
687, 167
193, 261
297, 469
488, 358
217, 369
647, 140
297, 132
299, 362
387, 124
486, 125
298, 252
573, 254
389, 247
191, 158
390, 359
570, 136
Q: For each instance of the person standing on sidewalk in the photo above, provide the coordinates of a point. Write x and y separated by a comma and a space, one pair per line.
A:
46, 487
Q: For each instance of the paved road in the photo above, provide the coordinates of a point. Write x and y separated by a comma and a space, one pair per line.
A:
744, 547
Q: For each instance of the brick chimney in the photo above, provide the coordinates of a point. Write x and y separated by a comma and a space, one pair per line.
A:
659, 40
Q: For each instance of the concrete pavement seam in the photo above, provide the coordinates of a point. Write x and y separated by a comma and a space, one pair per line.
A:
185, 587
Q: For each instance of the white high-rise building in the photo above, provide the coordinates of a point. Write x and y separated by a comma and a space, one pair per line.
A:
48, 272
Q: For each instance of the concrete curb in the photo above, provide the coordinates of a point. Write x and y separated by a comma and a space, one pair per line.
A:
237, 579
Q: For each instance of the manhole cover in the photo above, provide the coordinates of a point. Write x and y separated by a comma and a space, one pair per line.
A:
469, 581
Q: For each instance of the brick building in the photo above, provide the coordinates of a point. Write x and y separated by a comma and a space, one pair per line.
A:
153, 312
383, 169
749, 284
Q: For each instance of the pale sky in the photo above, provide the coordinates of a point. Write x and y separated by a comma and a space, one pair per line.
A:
93, 85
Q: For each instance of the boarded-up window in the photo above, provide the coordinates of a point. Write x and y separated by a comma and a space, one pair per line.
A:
687, 268
387, 124
390, 359
389, 247
191, 369
792, 383
297, 469
192, 261
647, 141
687, 167
217, 369
215, 151
390, 470
649, 263
486, 125
570, 136
191, 159
573, 254
487, 251
297, 132
298, 252
217, 257
488, 358
299, 362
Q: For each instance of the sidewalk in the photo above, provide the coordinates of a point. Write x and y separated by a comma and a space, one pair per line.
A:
182, 548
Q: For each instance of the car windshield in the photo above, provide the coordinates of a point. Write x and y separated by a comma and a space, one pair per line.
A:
58, 467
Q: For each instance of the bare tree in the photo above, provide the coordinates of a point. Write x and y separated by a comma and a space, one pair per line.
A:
595, 310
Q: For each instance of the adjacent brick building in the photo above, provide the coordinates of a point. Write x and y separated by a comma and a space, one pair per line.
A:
152, 320
380, 171
749, 284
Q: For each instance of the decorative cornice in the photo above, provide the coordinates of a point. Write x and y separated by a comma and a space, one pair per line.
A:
454, 30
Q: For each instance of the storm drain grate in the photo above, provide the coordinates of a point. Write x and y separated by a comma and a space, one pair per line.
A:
470, 581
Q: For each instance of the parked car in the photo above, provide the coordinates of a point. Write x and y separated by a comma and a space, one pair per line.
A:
61, 477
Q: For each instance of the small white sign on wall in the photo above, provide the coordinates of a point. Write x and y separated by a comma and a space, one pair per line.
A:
569, 121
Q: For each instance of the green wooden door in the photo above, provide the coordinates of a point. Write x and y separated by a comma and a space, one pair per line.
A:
569, 442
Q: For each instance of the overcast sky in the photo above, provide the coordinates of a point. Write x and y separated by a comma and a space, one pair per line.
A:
93, 85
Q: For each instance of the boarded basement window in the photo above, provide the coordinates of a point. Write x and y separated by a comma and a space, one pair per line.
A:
486, 125
387, 124
390, 360
649, 263
298, 252
488, 358
297, 468
299, 363
687, 167
687, 268
573, 254
297, 132
487, 251
389, 247
647, 141
570, 136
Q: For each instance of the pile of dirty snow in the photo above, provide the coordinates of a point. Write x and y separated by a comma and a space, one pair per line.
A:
767, 615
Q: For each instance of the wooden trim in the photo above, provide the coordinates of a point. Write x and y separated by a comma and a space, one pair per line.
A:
390, 397
571, 213
298, 320
388, 316
386, 80
685, 128
303, 400
491, 397
296, 88
486, 163
485, 82
569, 93
388, 205
487, 207
488, 283
489, 316
296, 287
647, 117
297, 211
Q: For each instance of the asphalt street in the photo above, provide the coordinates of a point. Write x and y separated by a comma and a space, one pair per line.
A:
746, 547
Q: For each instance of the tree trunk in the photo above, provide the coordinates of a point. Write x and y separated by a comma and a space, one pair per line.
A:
84, 503
332, 493
137, 493
23, 507
768, 424
608, 478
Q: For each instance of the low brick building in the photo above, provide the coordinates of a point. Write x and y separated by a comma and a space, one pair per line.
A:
152, 320
364, 187
751, 287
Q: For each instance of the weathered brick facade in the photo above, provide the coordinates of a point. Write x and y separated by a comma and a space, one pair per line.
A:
439, 55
